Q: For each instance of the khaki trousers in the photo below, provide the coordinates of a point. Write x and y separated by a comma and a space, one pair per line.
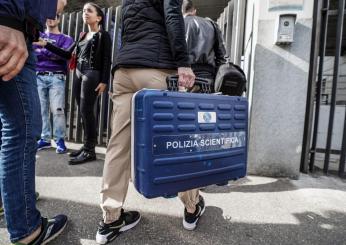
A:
117, 168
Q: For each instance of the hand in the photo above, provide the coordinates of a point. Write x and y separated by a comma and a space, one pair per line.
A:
101, 88
13, 52
186, 77
41, 42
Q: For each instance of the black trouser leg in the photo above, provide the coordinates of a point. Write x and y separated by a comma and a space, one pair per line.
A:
89, 80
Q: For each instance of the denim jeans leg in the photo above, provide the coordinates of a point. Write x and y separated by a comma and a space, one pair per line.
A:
0, 150
57, 106
43, 84
0, 134
20, 116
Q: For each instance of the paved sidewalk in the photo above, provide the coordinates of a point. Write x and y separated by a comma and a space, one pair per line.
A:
254, 210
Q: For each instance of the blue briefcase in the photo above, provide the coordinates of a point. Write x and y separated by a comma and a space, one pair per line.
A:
182, 141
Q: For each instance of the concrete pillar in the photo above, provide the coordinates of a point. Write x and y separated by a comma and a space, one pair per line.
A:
278, 87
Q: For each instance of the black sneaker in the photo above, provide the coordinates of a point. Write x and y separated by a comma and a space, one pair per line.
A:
83, 157
190, 220
108, 232
76, 153
51, 228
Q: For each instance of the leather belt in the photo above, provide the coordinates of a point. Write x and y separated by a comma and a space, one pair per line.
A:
50, 73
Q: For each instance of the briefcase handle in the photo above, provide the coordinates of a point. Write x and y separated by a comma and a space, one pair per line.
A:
202, 84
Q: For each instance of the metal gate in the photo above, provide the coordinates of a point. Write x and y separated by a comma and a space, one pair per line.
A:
231, 23
326, 97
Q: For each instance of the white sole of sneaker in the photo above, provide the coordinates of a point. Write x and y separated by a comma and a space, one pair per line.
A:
55, 235
191, 227
102, 239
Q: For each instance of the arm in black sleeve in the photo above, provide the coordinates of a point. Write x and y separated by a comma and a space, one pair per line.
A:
12, 14
66, 54
176, 31
106, 57
219, 47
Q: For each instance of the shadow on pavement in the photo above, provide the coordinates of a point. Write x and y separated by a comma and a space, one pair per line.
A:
214, 228
244, 185
50, 164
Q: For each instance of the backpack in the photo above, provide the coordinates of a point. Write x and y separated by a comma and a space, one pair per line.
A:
230, 80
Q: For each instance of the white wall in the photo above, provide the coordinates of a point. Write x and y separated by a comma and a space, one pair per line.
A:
277, 89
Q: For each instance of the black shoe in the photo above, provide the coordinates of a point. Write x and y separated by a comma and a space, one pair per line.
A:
83, 157
190, 220
108, 232
77, 153
51, 228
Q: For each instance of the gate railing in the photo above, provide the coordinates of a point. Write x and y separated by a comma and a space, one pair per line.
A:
320, 41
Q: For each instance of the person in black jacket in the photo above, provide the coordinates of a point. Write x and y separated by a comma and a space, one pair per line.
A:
93, 54
204, 43
153, 46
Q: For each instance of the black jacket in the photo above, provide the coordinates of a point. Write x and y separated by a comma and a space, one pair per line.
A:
99, 57
27, 16
205, 45
152, 35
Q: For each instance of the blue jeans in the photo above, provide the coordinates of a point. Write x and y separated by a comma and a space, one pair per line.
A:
51, 89
21, 126
0, 150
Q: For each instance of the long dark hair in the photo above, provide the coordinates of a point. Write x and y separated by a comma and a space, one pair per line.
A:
99, 13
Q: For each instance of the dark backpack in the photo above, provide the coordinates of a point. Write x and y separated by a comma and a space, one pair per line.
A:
230, 80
